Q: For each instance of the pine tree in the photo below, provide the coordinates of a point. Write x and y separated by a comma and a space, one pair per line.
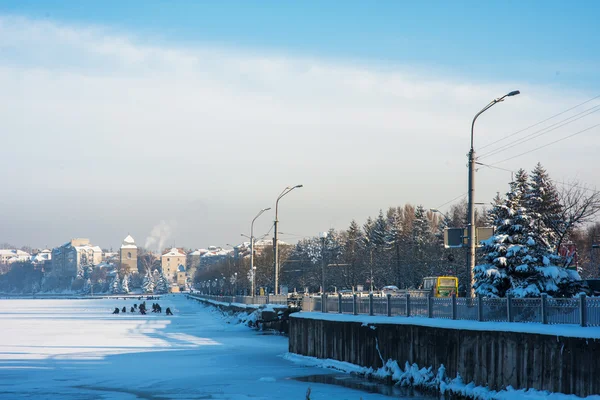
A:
518, 258
394, 238
421, 237
87, 286
354, 239
496, 211
115, 286
125, 284
161, 285
504, 251
378, 232
155, 276
148, 283
544, 202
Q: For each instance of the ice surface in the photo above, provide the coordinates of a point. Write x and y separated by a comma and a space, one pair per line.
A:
76, 349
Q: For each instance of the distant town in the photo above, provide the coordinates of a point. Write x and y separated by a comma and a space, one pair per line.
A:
83, 267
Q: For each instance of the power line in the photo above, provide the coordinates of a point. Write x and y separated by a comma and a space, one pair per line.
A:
450, 201
551, 180
543, 131
539, 123
546, 145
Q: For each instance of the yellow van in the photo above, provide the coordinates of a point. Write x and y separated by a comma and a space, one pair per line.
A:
441, 286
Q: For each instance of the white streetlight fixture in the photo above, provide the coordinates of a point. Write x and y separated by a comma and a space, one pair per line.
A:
275, 244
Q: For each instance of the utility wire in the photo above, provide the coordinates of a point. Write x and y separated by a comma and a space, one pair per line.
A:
543, 131
539, 123
546, 145
551, 180
450, 201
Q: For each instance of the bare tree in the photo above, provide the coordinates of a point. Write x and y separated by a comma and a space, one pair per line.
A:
579, 206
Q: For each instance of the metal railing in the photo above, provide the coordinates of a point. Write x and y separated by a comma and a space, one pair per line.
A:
582, 310
248, 300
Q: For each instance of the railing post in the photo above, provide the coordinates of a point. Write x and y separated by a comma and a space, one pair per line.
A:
389, 305
407, 305
340, 303
354, 305
582, 310
543, 310
324, 303
479, 307
453, 305
509, 308
370, 303
429, 306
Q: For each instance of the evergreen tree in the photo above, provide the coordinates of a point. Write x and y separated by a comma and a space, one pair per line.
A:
518, 259
155, 276
148, 283
367, 247
125, 284
162, 285
496, 211
394, 240
421, 237
115, 285
352, 254
544, 202
87, 286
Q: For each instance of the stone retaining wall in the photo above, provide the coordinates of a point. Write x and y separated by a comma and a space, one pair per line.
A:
494, 359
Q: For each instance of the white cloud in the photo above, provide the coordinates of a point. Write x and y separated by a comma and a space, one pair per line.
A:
103, 112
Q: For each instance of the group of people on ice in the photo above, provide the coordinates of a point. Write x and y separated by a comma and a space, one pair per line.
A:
156, 308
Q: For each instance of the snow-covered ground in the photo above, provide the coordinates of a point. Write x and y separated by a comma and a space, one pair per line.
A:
76, 349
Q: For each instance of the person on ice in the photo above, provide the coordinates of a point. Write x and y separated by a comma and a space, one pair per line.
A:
131, 309
116, 310
124, 309
169, 311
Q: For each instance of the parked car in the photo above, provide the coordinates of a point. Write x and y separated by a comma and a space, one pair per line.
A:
391, 289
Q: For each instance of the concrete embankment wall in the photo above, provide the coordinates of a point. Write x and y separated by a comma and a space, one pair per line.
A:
494, 359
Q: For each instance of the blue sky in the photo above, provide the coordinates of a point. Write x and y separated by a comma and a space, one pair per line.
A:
550, 42
122, 116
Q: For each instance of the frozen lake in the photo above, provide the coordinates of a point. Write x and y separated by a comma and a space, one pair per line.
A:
76, 349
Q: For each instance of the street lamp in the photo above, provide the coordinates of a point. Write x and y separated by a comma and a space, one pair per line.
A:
323, 236
252, 272
275, 245
471, 193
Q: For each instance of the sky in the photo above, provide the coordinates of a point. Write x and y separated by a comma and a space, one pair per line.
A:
181, 120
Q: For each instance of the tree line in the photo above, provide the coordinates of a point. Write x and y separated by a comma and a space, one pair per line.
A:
404, 244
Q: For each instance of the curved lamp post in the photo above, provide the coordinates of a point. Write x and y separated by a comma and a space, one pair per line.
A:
275, 244
471, 193
252, 269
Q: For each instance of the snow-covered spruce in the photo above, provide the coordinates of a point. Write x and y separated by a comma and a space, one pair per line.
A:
520, 259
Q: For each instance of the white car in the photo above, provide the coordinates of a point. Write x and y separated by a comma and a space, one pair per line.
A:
390, 289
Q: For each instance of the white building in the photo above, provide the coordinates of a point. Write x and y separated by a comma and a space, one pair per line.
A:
71, 257
9, 256
170, 261
43, 257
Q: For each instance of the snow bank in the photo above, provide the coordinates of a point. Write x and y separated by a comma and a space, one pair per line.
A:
428, 379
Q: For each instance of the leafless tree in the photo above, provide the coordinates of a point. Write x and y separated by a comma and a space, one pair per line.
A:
579, 206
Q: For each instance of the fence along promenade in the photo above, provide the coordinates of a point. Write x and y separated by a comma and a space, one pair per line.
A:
583, 310
279, 299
